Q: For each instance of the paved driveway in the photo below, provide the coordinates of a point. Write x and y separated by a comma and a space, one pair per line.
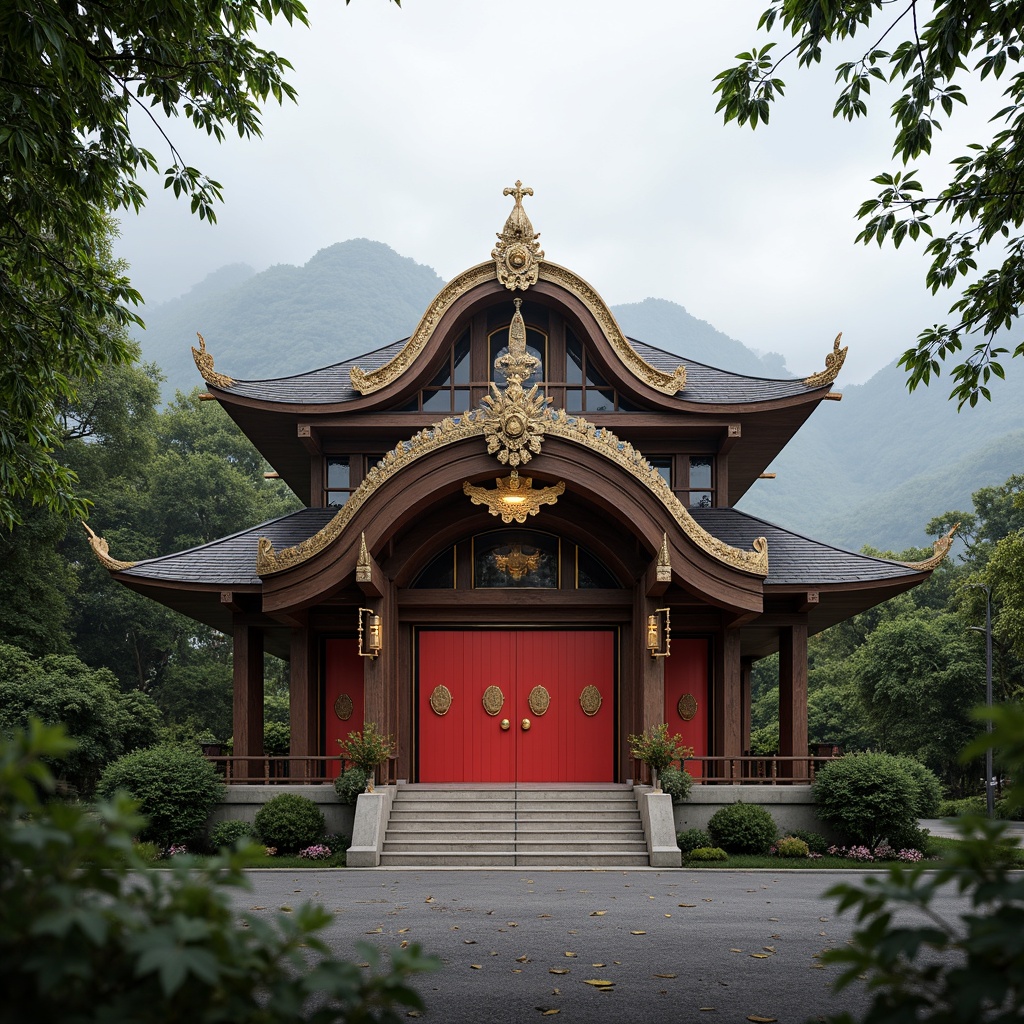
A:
715, 946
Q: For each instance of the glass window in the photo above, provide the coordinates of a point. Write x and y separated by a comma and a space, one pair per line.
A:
339, 480
701, 482
515, 559
663, 464
438, 574
595, 395
592, 574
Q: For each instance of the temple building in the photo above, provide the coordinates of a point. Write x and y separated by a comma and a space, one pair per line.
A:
520, 543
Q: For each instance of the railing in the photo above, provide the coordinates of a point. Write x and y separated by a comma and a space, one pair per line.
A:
289, 769
746, 770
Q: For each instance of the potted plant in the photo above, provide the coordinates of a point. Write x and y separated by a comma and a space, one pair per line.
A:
367, 749
658, 750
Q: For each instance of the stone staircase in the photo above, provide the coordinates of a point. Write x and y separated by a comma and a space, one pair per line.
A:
507, 825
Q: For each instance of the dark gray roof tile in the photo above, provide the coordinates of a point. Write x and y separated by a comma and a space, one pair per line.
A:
231, 561
792, 558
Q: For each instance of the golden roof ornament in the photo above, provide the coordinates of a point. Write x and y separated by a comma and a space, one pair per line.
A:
101, 550
204, 364
664, 570
514, 418
513, 497
517, 253
364, 567
939, 551
833, 364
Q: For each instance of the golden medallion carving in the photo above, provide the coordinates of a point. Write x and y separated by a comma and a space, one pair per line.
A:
101, 550
590, 700
833, 364
687, 707
493, 700
514, 497
517, 252
204, 364
939, 551
517, 563
343, 707
539, 700
441, 700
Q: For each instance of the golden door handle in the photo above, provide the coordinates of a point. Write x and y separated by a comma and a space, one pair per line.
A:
526, 725
505, 723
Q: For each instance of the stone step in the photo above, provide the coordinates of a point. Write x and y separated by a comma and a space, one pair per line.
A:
587, 825
447, 858
439, 836
409, 794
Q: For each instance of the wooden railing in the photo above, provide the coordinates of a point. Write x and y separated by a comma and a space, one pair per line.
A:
746, 770
289, 770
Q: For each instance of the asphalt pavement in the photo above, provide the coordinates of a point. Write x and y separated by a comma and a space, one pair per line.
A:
678, 945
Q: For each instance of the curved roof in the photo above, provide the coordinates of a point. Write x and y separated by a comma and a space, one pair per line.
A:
331, 385
795, 560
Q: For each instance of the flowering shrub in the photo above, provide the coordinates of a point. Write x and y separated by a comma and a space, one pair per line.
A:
176, 849
316, 852
883, 852
270, 851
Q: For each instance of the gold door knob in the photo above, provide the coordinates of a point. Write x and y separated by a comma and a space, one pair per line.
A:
526, 725
505, 723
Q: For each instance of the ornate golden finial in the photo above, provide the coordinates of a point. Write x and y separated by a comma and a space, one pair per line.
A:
664, 562
101, 550
514, 497
517, 252
833, 364
364, 567
939, 551
517, 364
204, 364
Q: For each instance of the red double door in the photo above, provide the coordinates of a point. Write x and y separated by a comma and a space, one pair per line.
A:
516, 706
686, 697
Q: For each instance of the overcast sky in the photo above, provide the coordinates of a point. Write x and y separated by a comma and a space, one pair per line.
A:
411, 121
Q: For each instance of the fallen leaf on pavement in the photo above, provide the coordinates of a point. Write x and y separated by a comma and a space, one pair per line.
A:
548, 1012
429, 899
477, 967
665, 975
687, 904
376, 931
598, 965
402, 931
522, 959
760, 956
598, 913
558, 970
542, 916
638, 933
570, 954
762, 1020
599, 982
735, 950
469, 942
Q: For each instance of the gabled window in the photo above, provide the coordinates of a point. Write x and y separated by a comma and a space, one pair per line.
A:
449, 390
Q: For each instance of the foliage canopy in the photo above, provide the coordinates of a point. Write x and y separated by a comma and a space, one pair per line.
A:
87, 933
973, 221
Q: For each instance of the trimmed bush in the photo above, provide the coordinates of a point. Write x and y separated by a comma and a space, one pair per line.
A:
816, 843
349, 784
867, 797
743, 828
676, 783
790, 846
289, 822
175, 786
910, 837
707, 853
227, 833
957, 808
692, 839
928, 788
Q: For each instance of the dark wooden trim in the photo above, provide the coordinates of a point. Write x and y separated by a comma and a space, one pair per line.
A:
248, 691
727, 703
793, 691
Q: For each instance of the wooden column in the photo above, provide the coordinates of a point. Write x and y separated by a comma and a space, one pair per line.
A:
644, 688
248, 698
303, 700
793, 696
727, 708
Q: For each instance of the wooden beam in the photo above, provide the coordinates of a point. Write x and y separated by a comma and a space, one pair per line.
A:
303, 705
808, 602
308, 436
727, 692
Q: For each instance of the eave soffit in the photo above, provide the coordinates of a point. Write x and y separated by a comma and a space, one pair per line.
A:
513, 423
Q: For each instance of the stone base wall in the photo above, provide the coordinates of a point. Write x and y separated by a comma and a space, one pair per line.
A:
792, 807
241, 803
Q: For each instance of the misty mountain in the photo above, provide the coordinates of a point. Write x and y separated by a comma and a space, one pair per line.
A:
871, 469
